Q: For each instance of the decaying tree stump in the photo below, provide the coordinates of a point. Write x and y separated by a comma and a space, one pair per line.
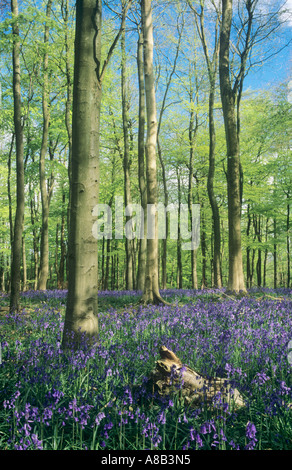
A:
170, 376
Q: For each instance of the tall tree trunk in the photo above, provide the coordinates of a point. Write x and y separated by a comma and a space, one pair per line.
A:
44, 256
68, 123
101, 283
288, 241
151, 292
203, 248
63, 247
35, 233
126, 156
9, 189
24, 288
2, 273
257, 228
228, 97
60, 266
248, 264
275, 255
179, 257
266, 255
212, 66
164, 240
211, 193
162, 164
141, 165
81, 312
18, 129
193, 126
107, 264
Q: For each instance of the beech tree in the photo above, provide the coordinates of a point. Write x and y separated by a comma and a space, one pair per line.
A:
126, 154
81, 312
212, 67
142, 255
236, 281
151, 292
18, 129
163, 107
45, 195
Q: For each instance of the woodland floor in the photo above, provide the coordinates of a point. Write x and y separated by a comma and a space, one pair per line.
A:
98, 398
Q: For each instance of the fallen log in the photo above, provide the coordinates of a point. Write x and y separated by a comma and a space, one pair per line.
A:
170, 377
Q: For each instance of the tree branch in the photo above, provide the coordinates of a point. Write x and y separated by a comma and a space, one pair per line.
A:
111, 50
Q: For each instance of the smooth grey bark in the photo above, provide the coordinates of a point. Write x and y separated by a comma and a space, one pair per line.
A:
275, 228
142, 255
44, 255
60, 265
68, 120
288, 241
161, 160
236, 281
81, 312
19, 144
179, 273
126, 154
212, 67
24, 264
193, 126
9, 188
192, 132
151, 292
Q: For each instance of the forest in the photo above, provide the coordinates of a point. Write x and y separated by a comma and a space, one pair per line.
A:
146, 186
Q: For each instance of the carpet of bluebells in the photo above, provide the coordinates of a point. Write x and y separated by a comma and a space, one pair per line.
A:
97, 397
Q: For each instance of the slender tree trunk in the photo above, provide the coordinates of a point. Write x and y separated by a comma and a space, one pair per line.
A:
102, 264
126, 156
266, 255
60, 266
63, 247
20, 203
275, 254
204, 249
248, 265
2, 273
151, 290
24, 288
228, 97
164, 240
162, 164
211, 192
107, 264
9, 189
252, 267
44, 257
118, 272
288, 242
68, 121
192, 133
212, 65
142, 256
35, 233
178, 256
257, 227
259, 268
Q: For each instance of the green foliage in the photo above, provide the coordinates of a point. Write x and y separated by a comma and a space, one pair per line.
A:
265, 139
